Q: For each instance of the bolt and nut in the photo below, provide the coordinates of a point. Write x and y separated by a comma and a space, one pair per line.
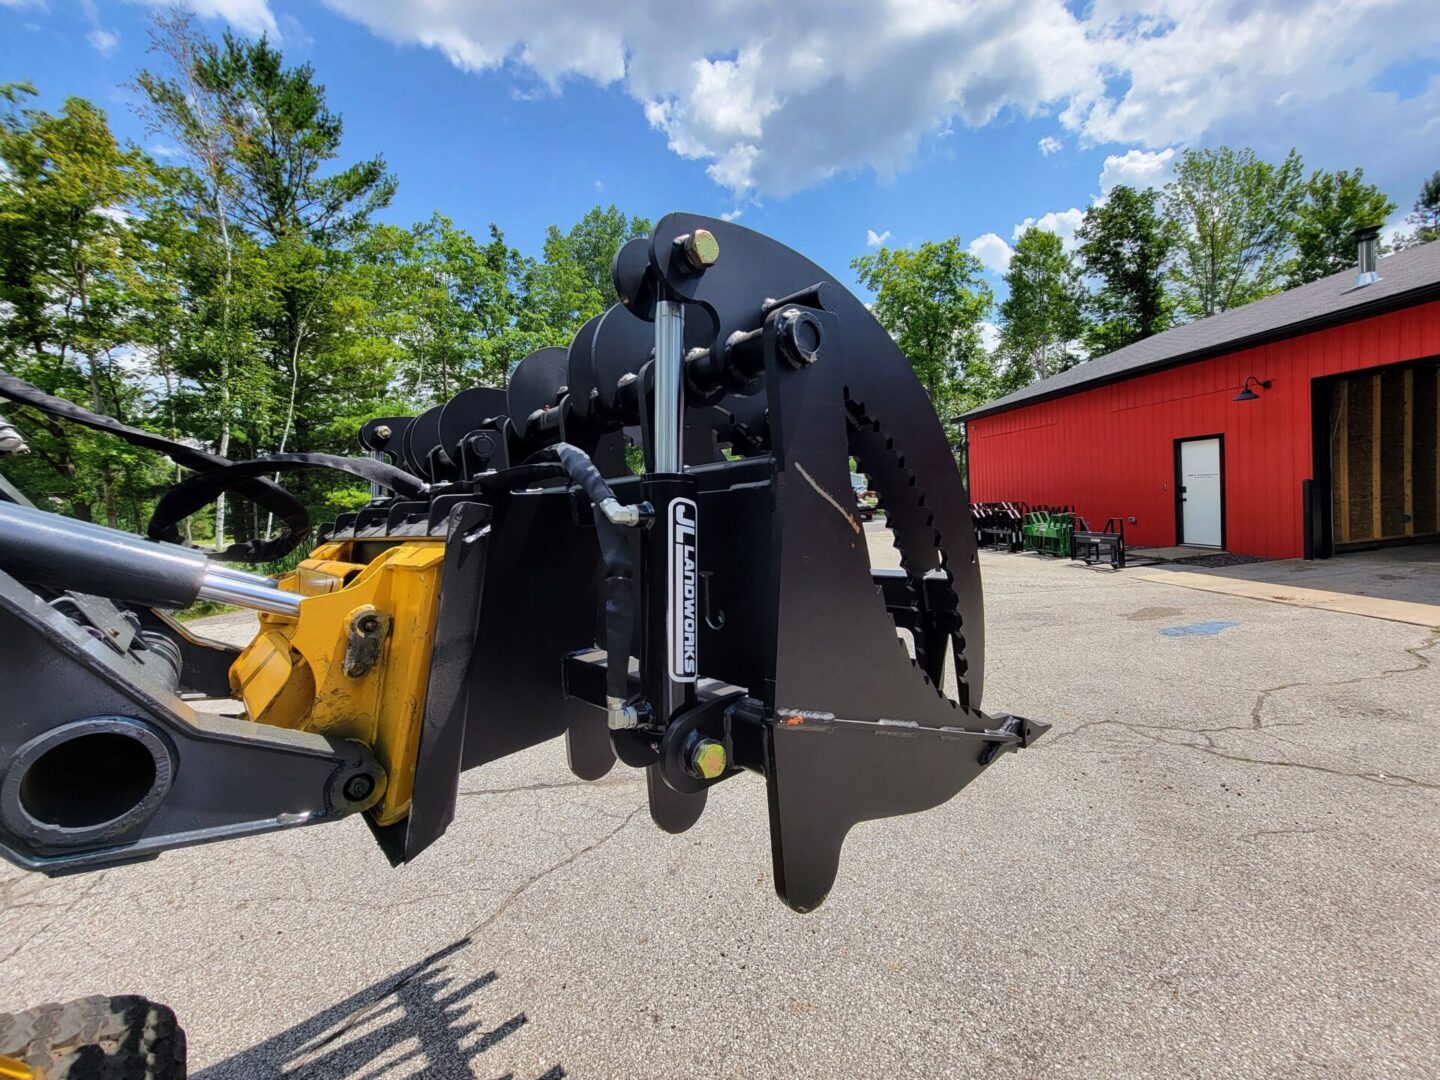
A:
708, 759
358, 788
700, 248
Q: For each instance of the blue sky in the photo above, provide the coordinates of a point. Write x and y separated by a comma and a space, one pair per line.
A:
826, 124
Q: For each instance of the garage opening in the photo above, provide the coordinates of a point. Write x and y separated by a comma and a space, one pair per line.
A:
1384, 456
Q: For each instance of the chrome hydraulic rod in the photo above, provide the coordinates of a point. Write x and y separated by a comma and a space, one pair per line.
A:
41, 548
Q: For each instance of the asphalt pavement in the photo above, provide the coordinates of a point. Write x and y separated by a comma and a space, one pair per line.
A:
1221, 862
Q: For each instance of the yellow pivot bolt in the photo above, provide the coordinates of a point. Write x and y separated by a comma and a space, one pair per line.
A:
701, 249
708, 759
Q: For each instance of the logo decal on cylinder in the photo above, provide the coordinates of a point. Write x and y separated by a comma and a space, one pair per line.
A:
683, 628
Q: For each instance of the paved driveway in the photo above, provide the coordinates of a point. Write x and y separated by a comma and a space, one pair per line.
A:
1221, 862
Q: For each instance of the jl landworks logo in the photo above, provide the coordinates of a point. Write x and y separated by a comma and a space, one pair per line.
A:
683, 588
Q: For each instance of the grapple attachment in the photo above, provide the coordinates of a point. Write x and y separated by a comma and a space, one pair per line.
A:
514, 581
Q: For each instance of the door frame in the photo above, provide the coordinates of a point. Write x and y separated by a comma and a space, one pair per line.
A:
1180, 509
1322, 517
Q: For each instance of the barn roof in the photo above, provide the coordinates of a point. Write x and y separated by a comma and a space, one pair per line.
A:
1406, 278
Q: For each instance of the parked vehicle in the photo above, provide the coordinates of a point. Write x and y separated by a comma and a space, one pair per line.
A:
866, 501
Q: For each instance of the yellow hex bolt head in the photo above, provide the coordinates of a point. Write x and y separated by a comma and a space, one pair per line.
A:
708, 759
701, 249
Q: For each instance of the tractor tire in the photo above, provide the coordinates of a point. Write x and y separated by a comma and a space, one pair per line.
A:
97, 1038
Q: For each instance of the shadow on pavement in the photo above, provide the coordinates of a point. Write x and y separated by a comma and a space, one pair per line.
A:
411, 1022
1408, 573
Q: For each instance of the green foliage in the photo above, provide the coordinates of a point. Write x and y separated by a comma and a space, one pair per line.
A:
1235, 215
1043, 317
68, 201
1334, 206
571, 282
243, 296
1125, 246
932, 300
1425, 217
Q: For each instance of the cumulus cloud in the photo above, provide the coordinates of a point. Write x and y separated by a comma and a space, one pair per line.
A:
1062, 223
989, 335
732, 215
1050, 145
1137, 169
774, 99
251, 16
874, 239
993, 251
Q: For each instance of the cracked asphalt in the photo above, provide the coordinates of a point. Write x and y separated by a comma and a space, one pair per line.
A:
1221, 862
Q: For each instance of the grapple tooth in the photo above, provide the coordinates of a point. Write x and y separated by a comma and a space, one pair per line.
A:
587, 748
669, 809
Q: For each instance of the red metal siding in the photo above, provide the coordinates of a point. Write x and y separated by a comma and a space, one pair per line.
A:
1111, 451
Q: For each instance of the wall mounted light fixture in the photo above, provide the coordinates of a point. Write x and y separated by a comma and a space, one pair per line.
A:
1246, 394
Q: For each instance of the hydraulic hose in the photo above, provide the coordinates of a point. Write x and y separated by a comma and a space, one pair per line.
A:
611, 519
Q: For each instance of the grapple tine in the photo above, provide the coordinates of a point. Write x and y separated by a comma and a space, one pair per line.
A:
669, 809
587, 748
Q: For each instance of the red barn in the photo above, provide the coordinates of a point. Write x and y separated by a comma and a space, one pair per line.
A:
1302, 424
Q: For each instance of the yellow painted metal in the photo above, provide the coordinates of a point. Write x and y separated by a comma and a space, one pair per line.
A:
11, 1069
293, 674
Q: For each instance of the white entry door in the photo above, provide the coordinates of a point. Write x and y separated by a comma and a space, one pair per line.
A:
1200, 492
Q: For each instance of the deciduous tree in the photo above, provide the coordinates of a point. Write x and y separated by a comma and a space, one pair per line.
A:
932, 299
1334, 206
1042, 318
1235, 214
1125, 246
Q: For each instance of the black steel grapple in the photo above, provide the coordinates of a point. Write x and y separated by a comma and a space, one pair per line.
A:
513, 580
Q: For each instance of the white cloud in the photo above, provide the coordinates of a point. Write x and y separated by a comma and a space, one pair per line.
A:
989, 335
777, 99
1062, 223
599, 185
732, 215
251, 16
22, 3
993, 251
103, 41
1137, 169
874, 239
1050, 145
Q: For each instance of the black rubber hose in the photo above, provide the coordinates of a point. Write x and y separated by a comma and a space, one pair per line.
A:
615, 553
572, 463
619, 604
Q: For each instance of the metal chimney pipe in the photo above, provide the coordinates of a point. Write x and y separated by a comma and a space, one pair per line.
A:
1367, 238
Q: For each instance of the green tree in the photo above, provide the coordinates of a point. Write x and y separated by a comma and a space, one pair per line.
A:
182, 105
1042, 318
1334, 206
571, 281
1425, 217
437, 300
68, 201
1125, 245
305, 214
591, 244
932, 300
1234, 213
